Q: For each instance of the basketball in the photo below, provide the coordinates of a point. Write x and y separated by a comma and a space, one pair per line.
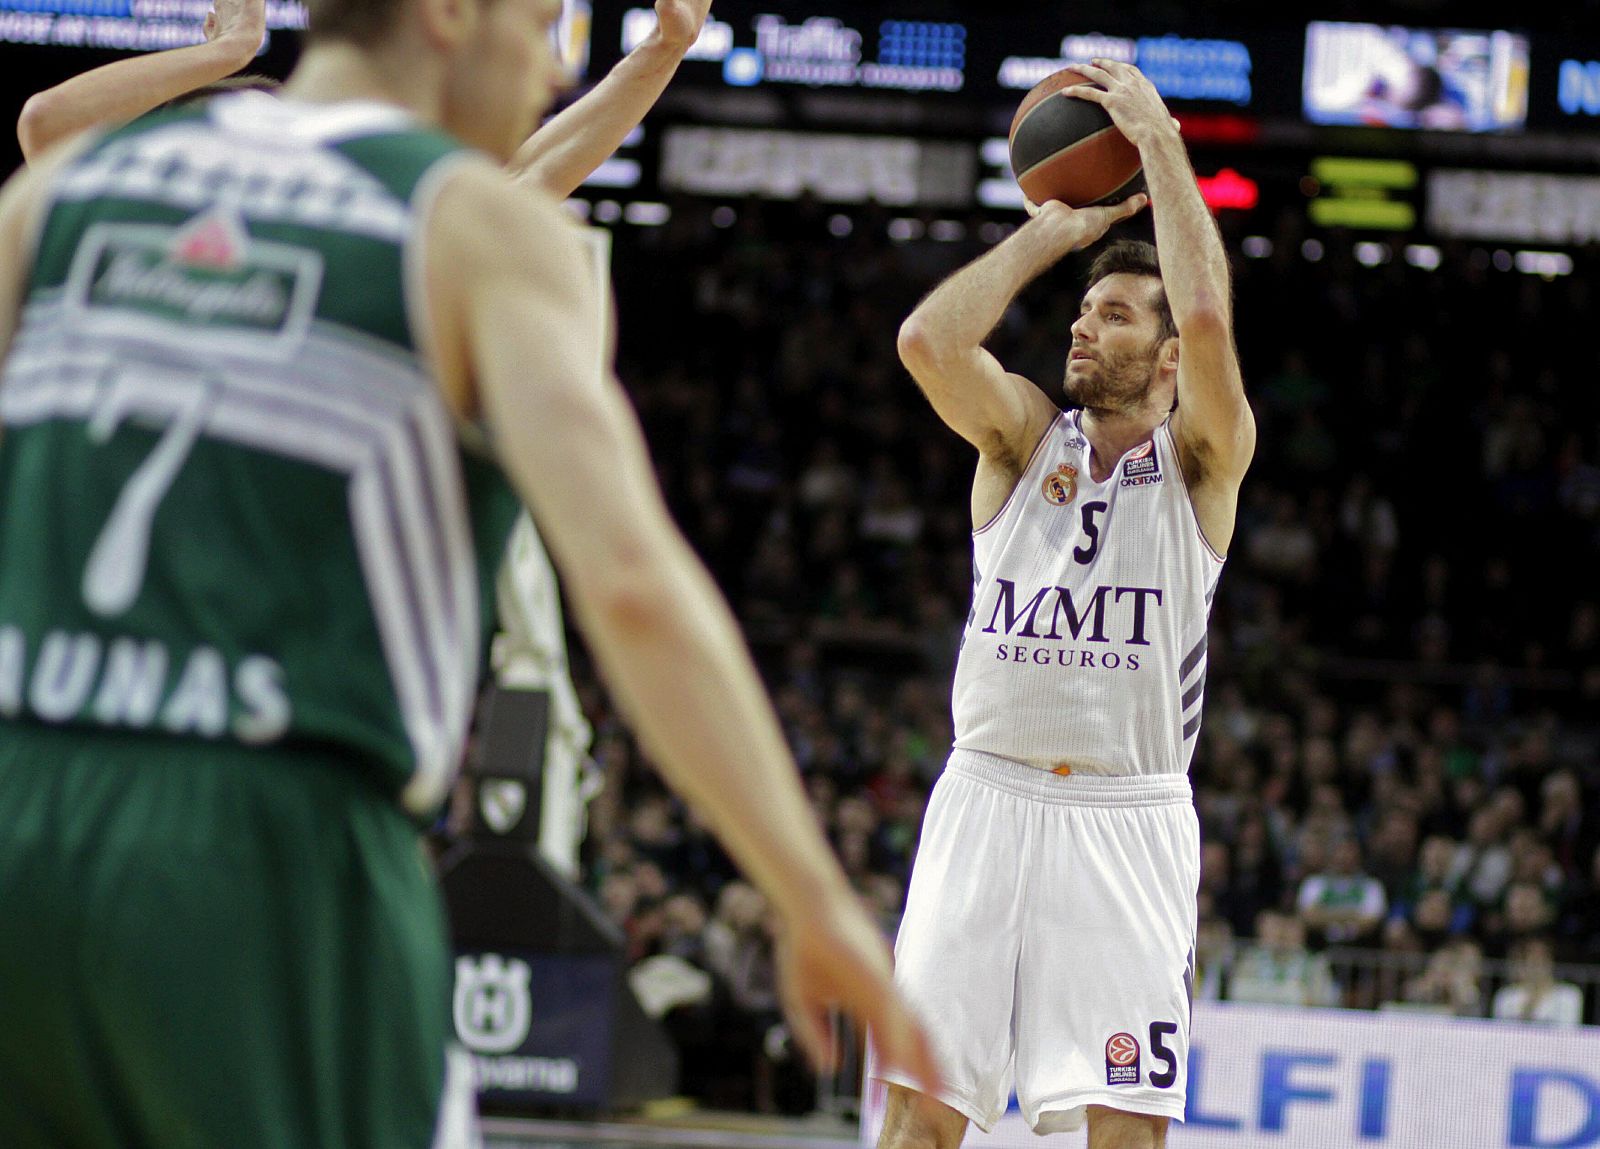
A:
1068, 149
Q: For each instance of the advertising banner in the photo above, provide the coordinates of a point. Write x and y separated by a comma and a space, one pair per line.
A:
1340, 1079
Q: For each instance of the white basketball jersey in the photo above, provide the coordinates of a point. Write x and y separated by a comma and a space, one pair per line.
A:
1086, 645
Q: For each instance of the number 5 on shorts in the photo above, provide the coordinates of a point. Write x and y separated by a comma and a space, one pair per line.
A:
1159, 1032
117, 563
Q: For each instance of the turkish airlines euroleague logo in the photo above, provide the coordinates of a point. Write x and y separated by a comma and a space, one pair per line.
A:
1122, 1059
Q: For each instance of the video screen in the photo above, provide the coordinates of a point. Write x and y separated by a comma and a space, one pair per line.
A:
1432, 79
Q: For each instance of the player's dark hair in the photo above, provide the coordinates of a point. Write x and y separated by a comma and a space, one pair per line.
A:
1134, 257
357, 21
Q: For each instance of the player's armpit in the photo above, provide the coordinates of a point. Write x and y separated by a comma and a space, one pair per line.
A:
1214, 426
1214, 429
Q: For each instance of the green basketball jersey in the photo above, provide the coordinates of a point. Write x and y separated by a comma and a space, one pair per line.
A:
232, 503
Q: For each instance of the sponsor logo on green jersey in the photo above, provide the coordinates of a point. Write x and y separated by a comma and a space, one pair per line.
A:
209, 277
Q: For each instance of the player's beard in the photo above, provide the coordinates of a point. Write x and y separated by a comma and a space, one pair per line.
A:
1120, 381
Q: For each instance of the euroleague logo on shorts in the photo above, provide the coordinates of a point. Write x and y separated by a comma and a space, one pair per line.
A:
1122, 1059
1061, 485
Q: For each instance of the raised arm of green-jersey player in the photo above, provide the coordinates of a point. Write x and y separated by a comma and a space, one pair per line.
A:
562, 153
16, 200
516, 338
21, 203
117, 92
1213, 427
1002, 414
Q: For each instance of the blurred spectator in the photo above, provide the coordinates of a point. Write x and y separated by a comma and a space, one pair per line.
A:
1429, 899
1284, 548
1564, 825
1342, 904
1213, 955
1482, 865
1392, 852
1278, 969
1534, 994
731, 1067
1452, 981
1580, 923
683, 929
1257, 873
1436, 917
1524, 914
738, 948
1367, 518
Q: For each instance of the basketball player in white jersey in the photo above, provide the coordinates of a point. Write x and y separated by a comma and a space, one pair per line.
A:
1048, 931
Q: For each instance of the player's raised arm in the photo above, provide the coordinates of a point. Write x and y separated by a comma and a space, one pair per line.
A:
16, 204
1213, 427
941, 343
562, 153
516, 322
21, 205
117, 92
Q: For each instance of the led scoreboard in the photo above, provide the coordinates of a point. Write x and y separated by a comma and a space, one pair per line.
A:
825, 52
911, 55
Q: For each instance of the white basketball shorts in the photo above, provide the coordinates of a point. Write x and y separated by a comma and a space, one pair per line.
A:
1048, 938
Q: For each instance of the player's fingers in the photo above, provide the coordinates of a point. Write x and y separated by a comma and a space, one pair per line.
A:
814, 1032
1029, 206
1097, 70
903, 1044
1133, 205
1086, 92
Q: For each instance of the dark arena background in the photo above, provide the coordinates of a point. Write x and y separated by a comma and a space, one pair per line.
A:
1404, 711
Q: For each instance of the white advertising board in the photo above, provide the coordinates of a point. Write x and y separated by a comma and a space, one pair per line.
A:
1265, 1077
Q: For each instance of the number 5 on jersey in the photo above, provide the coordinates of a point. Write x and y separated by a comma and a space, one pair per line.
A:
1091, 529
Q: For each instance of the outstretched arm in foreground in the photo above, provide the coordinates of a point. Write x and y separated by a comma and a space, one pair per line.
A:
509, 287
562, 153
118, 92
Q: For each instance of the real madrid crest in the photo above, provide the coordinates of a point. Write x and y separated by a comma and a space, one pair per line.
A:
1061, 485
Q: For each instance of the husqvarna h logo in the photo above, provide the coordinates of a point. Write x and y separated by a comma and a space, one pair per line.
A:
493, 1009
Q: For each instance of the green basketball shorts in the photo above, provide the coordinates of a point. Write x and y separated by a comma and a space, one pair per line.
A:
205, 947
